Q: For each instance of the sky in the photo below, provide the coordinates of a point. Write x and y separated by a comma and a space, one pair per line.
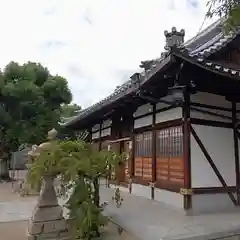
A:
95, 44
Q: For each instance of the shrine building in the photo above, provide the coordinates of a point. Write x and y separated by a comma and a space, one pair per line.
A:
178, 120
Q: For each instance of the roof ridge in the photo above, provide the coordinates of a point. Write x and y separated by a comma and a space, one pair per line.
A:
204, 31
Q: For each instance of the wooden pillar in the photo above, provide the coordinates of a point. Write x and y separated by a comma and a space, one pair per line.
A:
132, 157
116, 125
100, 137
186, 150
89, 137
154, 159
236, 150
128, 131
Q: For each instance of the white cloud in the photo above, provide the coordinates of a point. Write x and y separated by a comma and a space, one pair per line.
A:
92, 43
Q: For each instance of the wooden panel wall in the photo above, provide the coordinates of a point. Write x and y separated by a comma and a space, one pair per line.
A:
143, 155
169, 152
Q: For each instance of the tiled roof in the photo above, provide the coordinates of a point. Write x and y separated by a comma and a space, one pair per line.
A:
210, 40
207, 42
219, 67
128, 87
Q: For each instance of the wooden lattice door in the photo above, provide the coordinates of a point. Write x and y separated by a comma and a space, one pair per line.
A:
170, 164
127, 164
122, 170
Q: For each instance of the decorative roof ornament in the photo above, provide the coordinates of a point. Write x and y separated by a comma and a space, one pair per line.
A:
174, 38
135, 77
146, 64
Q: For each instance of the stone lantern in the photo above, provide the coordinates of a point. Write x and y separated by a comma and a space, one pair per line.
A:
47, 221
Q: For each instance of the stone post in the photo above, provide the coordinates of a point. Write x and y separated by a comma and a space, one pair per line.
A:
47, 221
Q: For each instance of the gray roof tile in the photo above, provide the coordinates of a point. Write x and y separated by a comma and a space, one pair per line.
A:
219, 67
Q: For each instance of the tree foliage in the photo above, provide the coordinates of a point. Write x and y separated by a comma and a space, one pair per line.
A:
230, 9
79, 169
30, 104
69, 110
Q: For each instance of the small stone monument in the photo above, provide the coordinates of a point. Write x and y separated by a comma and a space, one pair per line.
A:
47, 221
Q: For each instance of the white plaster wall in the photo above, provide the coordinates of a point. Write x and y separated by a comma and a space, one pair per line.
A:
206, 116
219, 144
146, 108
96, 127
210, 99
106, 132
107, 123
168, 115
161, 105
238, 106
213, 100
144, 121
96, 135
169, 198
208, 203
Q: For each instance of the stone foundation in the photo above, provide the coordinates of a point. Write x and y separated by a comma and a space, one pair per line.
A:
46, 230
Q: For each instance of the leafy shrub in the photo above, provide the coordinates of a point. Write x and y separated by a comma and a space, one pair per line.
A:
79, 169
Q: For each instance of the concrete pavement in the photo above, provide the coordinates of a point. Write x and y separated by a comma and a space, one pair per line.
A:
147, 219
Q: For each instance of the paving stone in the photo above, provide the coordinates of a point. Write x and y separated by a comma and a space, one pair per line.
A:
16, 210
144, 219
45, 236
147, 219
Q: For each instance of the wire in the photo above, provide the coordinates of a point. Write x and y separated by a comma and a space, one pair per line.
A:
200, 29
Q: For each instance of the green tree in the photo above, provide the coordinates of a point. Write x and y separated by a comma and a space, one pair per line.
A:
31, 100
69, 110
226, 8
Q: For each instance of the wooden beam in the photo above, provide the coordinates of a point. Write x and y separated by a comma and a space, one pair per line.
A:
212, 164
89, 137
213, 190
211, 123
211, 113
133, 157
187, 149
157, 111
236, 150
195, 104
238, 134
100, 137
154, 159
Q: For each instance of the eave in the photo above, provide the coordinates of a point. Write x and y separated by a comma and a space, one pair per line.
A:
217, 68
120, 94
